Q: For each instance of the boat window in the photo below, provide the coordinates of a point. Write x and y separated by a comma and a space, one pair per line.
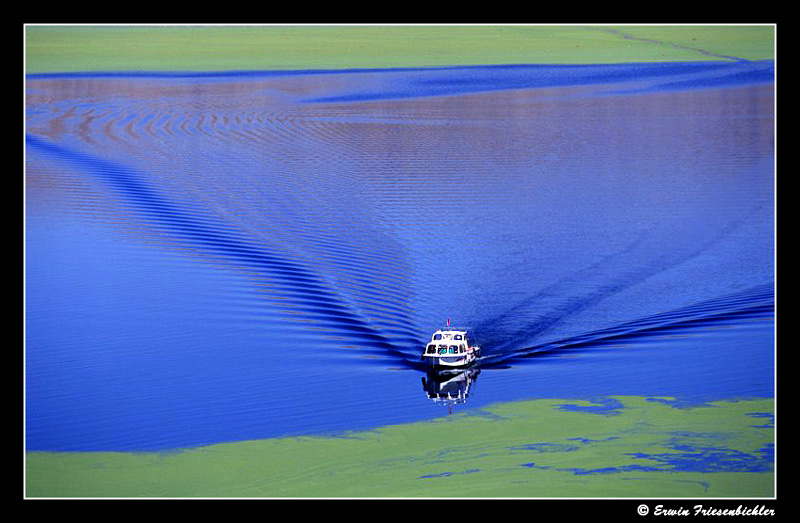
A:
453, 349
442, 350
457, 337
437, 336
431, 348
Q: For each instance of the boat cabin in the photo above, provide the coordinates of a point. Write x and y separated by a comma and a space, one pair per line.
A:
446, 341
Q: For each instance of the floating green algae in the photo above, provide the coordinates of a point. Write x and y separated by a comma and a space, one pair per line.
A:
58, 48
618, 447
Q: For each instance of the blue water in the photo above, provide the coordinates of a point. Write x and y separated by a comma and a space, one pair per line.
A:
241, 255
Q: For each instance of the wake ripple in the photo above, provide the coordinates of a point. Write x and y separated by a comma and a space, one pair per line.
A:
302, 289
755, 303
286, 154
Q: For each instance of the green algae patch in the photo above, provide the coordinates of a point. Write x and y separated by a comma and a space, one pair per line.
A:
616, 447
750, 42
55, 48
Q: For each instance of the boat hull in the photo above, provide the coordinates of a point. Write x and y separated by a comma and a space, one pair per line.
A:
450, 362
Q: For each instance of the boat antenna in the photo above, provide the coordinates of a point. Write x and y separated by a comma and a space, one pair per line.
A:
448, 321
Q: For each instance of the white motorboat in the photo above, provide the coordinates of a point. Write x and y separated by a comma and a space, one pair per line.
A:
449, 348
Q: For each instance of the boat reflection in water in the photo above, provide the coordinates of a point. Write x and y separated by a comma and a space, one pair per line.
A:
449, 388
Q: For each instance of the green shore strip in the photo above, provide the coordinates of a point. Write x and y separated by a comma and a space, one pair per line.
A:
616, 447
72, 48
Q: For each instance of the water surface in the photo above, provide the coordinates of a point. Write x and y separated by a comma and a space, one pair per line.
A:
235, 256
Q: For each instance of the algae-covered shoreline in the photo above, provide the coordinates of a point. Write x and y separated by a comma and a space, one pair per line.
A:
619, 447
92, 48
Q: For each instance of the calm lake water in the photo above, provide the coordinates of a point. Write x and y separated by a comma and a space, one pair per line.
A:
236, 256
